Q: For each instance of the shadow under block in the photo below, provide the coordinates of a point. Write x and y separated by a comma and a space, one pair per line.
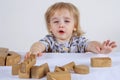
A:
59, 76
81, 69
39, 71
101, 62
25, 67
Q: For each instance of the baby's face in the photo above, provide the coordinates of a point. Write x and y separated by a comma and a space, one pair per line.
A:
62, 25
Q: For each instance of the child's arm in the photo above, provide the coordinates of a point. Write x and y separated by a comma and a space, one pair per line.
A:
37, 48
97, 47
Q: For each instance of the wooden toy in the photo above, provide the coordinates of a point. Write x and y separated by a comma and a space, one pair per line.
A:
101, 62
81, 69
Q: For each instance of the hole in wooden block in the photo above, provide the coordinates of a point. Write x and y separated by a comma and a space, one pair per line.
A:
9, 54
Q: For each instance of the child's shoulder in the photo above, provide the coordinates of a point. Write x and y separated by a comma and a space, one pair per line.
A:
49, 37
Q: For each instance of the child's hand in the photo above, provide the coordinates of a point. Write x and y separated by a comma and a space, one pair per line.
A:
37, 48
97, 47
107, 46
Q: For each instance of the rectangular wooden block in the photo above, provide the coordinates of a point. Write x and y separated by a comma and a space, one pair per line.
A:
59, 76
101, 62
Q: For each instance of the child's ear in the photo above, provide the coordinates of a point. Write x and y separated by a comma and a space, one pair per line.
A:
74, 29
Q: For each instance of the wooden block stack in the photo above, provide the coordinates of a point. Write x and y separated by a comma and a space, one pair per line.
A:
26, 69
8, 58
26, 65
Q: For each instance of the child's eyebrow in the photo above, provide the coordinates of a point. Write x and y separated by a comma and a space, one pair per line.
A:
54, 18
67, 18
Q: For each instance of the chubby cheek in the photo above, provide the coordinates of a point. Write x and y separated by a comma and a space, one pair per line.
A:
54, 30
69, 31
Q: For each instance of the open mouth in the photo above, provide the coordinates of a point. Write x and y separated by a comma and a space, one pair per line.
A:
61, 32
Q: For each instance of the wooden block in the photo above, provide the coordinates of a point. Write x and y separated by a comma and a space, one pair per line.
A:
3, 56
59, 76
101, 62
69, 66
46, 68
39, 71
81, 69
28, 63
12, 58
25, 67
15, 69
59, 69
8, 58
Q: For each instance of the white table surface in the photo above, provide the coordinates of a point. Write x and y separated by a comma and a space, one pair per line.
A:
60, 59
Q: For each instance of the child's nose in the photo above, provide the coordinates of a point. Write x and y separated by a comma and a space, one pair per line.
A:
61, 25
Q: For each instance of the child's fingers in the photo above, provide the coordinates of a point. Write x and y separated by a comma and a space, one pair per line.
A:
107, 42
112, 43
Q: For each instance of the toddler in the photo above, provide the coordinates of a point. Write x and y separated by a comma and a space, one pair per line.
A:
66, 36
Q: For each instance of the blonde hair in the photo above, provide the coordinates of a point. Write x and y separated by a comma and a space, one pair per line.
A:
71, 8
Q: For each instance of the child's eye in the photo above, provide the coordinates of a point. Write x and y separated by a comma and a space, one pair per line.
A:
67, 21
56, 22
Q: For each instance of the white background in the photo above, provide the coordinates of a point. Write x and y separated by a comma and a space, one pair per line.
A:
22, 21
